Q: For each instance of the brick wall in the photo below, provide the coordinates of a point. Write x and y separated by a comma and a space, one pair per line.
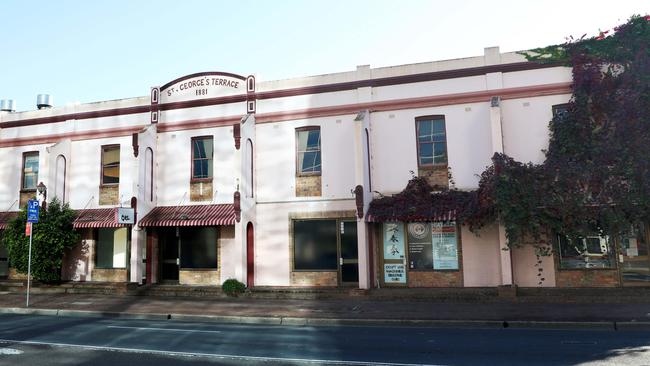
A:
308, 186
15, 275
26, 196
200, 191
436, 175
435, 279
109, 195
210, 277
587, 278
314, 279
109, 275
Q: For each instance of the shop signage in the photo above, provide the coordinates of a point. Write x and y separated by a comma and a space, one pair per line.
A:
394, 273
420, 246
445, 246
203, 85
125, 215
393, 240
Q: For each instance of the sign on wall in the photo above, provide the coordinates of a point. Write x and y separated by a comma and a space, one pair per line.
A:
445, 245
393, 240
125, 215
203, 85
394, 273
420, 246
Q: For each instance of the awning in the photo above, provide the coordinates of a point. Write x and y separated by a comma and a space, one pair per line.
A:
5, 217
196, 215
96, 218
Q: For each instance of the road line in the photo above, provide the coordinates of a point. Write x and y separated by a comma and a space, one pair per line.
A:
214, 355
167, 329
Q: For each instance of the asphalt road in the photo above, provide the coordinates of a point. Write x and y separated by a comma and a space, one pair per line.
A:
45, 340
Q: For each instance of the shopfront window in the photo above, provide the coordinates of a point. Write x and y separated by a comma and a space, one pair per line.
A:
315, 245
111, 249
432, 246
635, 267
592, 251
199, 248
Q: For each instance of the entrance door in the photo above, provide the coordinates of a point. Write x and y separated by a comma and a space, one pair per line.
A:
4, 261
250, 255
170, 260
635, 267
349, 260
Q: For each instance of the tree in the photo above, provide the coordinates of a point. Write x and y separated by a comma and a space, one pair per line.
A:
52, 235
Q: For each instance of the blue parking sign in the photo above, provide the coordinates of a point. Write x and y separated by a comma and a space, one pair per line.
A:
32, 211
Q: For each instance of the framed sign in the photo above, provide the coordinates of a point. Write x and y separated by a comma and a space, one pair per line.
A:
394, 240
420, 246
125, 215
394, 273
445, 245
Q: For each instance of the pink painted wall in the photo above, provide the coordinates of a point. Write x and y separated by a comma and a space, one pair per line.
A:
525, 272
481, 257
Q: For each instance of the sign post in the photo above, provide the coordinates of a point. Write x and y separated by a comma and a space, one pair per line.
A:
32, 217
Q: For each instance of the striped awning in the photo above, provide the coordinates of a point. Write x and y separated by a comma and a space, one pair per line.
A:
197, 215
96, 218
5, 217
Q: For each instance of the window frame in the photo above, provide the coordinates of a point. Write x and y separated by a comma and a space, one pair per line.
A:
127, 251
612, 253
104, 148
557, 107
299, 172
22, 171
338, 243
192, 178
417, 141
217, 250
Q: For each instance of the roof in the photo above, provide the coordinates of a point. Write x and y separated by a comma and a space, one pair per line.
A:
196, 215
418, 202
5, 217
96, 218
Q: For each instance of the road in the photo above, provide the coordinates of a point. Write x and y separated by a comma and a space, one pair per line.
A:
55, 340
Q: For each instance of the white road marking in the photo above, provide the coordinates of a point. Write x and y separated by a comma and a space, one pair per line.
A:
165, 329
10, 351
216, 355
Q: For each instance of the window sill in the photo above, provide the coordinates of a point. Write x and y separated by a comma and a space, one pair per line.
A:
199, 269
25, 190
110, 185
309, 174
433, 167
316, 270
201, 180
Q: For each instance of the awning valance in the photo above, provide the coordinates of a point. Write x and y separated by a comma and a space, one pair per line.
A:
196, 215
96, 218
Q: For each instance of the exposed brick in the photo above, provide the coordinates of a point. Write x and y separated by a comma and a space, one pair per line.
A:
435, 279
436, 176
15, 275
109, 195
109, 275
26, 196
200, 191
587, 278
200, 277
314, 278
308, 186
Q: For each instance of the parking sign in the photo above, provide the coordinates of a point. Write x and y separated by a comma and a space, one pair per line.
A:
32, 211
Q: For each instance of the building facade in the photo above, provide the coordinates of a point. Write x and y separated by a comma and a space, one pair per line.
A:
270, 182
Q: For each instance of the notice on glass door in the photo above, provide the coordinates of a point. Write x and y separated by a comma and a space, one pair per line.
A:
445, 246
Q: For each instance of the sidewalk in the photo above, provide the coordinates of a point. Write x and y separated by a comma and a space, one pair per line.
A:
337, 311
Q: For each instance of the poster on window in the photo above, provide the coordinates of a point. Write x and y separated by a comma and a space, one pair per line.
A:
420, 246
393, 240
445, 249
394, 273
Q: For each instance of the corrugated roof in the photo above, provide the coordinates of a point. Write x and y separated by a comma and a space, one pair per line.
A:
196, 215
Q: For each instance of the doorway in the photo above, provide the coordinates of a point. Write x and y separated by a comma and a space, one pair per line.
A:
169, 250
250, 256
4, 260
634, 258
349, 259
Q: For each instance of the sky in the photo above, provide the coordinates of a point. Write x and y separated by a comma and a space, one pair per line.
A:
86, 51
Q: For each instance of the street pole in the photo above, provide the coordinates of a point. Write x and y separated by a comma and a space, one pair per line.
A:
29, 261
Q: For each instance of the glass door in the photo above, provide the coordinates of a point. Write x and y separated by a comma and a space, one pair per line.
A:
349, 259
634, 259
4, 261
170, 260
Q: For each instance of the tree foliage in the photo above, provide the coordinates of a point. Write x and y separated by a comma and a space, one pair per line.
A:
51, 236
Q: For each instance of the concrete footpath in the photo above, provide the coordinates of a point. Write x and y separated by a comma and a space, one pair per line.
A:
346, 311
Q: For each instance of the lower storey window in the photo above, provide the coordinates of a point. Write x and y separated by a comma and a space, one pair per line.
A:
315, 245
592, 251
198, 248
111, 248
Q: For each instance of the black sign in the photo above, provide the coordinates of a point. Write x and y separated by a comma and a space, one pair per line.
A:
419, 247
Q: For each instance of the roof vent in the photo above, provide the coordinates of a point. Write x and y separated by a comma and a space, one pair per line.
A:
44, 101
7, 105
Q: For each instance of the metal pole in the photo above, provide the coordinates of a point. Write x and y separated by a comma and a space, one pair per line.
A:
29, 261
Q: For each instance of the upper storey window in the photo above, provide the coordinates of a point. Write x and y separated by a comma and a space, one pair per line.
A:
202, 153
110, 165
308, 151
30, 170
432, 140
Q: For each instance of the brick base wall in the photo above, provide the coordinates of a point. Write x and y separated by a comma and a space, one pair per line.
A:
15, 275
587, 278
109, 275
437, 176
109, 195
435, 279
314, 279
200, 277
26, 196
200, 191
308, 186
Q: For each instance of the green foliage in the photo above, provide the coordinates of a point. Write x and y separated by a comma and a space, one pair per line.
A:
51, 236
232, 287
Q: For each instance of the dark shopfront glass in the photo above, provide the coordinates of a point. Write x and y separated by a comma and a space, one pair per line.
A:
589, 252
199, 248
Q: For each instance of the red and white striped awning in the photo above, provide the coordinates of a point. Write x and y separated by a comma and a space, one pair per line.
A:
196, 215
5, 217
96, 218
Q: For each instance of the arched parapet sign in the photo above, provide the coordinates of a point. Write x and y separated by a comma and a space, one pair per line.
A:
204, 85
